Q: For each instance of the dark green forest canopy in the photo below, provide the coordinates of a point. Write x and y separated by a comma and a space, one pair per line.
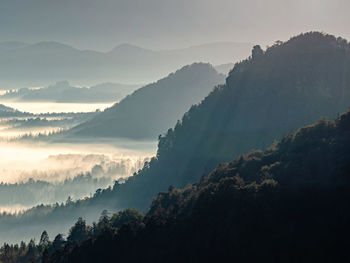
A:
287, 203
266, 97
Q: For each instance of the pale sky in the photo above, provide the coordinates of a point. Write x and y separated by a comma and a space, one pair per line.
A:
103, 24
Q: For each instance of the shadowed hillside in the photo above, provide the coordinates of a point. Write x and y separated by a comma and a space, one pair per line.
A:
265, 97
285, 204
149, 111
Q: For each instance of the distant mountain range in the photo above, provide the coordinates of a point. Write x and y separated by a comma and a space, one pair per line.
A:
64, 92
149, 111
25, 65
266, 97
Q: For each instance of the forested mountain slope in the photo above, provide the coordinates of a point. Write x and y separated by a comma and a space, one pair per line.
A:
288, 203
269, 95
149, 111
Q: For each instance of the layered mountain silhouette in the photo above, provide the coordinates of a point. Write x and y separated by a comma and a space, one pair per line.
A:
285, 203
149, 111
26, 65
8, 112
64, 92
267, 96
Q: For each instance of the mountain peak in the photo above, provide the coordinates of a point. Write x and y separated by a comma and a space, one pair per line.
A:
195, 69
165, 100
127, 47
317, 38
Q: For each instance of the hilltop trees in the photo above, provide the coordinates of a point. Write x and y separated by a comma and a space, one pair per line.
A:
257, 52
284, 204
287, 203
292, 84
79, 232
290, 199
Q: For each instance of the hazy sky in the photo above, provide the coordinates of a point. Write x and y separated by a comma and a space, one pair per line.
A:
102, 24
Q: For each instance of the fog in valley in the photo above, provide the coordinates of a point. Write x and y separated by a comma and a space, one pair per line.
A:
174, 130
62, 145
37, 172
52, 107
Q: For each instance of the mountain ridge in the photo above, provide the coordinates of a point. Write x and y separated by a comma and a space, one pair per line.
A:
63, 91
162, 103
266, 97
41, 63
288, 88
263, 206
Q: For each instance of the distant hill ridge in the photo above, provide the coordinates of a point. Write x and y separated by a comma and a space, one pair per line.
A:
266, 97
23, 65
150, 110
63, 91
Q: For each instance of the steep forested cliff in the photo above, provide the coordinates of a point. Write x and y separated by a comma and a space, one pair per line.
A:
288, 203
267, 96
